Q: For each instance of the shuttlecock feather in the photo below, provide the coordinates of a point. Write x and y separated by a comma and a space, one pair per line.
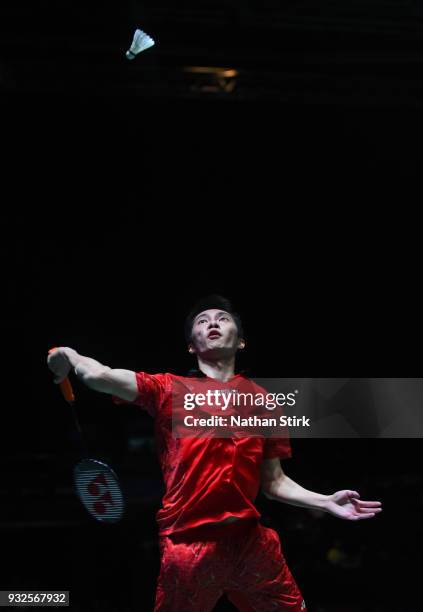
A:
141, 42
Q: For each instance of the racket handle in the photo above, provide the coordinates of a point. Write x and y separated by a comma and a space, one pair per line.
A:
65, 385
67, 391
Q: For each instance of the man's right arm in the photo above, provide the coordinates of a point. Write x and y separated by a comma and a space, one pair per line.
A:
93, 374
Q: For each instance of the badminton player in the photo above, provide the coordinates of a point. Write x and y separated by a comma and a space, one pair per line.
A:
211, 540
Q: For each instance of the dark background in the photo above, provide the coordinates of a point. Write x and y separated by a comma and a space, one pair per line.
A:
131, 188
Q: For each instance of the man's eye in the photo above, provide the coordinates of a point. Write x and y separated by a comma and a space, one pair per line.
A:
225, 318
201, 321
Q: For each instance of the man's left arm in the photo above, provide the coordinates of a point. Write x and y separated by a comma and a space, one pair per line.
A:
345, 504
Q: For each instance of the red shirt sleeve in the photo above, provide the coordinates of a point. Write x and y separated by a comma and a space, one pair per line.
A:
151, 388
277, 447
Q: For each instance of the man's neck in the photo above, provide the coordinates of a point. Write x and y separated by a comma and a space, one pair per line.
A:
221, 370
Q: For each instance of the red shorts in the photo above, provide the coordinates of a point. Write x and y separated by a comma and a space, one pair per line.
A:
243, 560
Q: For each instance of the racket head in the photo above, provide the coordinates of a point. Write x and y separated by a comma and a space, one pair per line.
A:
98, 489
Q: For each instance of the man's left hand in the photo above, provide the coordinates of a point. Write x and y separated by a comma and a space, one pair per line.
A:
348, 505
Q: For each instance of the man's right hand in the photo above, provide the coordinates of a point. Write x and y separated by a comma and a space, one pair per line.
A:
96, 376
58, 362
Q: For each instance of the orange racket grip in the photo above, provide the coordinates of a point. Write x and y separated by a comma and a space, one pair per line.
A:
67, 391
65, 386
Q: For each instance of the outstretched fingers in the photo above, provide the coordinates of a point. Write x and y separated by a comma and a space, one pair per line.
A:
366, 504
365, 516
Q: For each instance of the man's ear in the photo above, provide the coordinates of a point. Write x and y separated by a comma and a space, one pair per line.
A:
191, 349
241, 343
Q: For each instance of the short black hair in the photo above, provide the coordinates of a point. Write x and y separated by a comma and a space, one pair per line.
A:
206, 303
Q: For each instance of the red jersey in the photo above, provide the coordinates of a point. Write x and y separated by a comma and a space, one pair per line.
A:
206, 479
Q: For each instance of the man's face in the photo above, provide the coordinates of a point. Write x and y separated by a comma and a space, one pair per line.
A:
214, 334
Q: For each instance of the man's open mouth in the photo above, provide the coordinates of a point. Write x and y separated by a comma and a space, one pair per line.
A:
214, 335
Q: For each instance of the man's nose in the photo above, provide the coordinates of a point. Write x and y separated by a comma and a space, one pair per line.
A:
213, 324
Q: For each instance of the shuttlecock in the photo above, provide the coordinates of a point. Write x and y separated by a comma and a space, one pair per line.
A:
141, 42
